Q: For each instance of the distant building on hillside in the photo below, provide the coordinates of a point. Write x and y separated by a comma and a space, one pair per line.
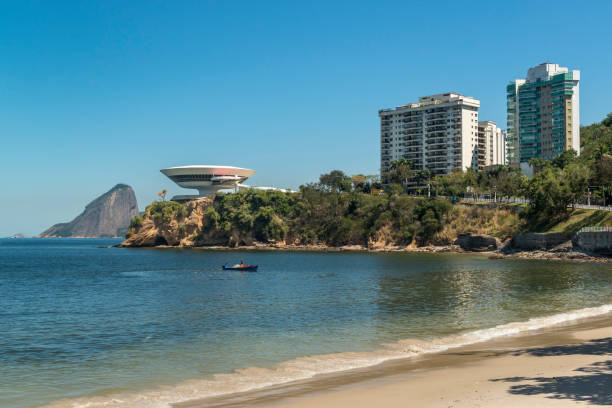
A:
491, 145
543, 113
438, 133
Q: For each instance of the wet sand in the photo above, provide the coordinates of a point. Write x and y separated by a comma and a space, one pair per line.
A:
563, 365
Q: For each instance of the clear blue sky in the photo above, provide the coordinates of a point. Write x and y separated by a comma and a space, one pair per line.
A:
97, 93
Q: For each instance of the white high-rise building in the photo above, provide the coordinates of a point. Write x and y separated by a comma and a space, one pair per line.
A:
491, 145
439, 133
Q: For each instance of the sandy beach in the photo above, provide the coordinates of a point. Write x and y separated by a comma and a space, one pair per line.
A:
563, 365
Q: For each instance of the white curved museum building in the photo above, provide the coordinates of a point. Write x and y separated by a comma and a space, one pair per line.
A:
206, 179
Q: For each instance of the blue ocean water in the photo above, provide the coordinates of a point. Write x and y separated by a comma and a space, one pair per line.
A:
83, 324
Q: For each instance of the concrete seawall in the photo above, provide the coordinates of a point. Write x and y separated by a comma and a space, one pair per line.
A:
588, 241
534, 241
596, 241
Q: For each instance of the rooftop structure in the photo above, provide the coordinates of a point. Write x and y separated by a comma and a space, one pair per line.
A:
206, 179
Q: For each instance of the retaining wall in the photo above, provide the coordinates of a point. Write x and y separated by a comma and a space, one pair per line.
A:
535, 241
597, 241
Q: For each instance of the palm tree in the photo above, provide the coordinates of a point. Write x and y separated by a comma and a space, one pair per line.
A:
400, 171
424, 175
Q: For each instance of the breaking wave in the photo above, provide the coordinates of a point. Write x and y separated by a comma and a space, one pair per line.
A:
302, 368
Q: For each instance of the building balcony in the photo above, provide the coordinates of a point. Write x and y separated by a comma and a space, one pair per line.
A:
438, 157
437, 141
436, 122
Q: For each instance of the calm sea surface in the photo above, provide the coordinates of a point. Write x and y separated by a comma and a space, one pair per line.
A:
98, 326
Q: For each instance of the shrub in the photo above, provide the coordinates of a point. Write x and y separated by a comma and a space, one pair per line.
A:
165, 211
430, 214
211, 219
275, 230
136, 223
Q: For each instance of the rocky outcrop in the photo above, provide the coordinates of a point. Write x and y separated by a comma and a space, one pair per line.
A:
180, 229
107, 216
476, 243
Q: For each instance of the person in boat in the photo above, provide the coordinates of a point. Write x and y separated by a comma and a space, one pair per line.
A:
241, 264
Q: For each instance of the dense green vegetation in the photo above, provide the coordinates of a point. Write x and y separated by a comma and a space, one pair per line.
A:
165, 211
314, 215
333, 212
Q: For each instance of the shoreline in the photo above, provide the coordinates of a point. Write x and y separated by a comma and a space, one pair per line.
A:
555, 366
572, 256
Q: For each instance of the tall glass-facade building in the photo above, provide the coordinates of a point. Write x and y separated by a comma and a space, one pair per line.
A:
543, 113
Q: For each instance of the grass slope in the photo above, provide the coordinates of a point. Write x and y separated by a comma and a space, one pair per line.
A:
578, 219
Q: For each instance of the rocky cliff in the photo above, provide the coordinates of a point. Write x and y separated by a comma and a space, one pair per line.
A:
107, 216
170, 223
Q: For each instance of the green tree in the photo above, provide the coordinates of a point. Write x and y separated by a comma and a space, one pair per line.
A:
452, 184
423, 178
577, 177
211, 219
549, 195
430, 214
335, 181
565, 158
399, 172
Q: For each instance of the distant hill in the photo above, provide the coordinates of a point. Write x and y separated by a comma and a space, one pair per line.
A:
19, 235
107, 216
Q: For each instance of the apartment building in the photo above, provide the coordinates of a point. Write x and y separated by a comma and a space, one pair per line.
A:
543, 113
491, 145
505, 138
439, 133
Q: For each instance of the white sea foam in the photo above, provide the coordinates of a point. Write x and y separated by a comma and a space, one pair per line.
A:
307, 367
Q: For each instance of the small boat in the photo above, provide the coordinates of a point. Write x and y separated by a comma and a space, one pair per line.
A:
250, 268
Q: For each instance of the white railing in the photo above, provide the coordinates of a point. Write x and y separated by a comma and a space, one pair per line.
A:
593, 207
521, 200
595, 229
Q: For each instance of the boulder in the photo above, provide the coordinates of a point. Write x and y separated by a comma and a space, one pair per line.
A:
476, 243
